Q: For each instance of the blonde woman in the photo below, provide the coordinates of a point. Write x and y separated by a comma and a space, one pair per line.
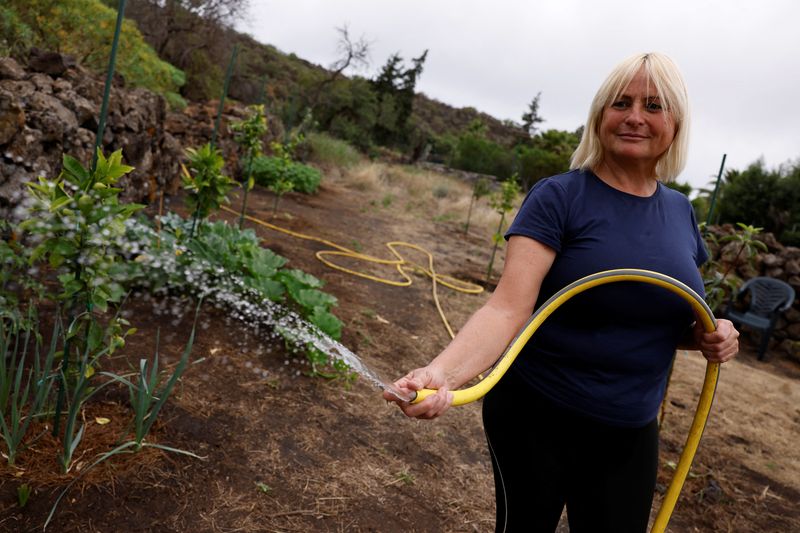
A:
573, 422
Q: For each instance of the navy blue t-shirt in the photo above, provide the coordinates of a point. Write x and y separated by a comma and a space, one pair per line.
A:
605, 353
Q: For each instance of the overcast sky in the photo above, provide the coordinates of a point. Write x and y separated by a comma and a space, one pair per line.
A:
739, 58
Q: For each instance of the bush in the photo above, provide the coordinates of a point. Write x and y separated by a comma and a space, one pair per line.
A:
328, 150
84, 29
15, 36
267, 170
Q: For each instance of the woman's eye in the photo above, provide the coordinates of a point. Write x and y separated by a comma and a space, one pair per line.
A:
620, 104
653, 106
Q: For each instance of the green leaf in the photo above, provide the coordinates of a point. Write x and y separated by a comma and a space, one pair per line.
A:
74, 169
312, 298
327, 322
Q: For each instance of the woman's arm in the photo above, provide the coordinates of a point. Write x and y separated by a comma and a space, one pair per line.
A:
486, 334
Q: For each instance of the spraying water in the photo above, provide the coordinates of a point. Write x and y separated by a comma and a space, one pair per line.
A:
227, 290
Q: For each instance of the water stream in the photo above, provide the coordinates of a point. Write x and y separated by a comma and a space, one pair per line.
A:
265, 317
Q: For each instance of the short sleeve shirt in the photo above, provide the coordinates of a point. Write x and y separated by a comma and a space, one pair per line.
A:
605, 353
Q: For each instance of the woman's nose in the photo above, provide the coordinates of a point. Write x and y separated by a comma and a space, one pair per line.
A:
635, 114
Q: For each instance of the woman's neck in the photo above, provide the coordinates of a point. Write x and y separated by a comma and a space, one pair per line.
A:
636, 181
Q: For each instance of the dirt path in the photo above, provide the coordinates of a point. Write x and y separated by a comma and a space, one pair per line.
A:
285, 453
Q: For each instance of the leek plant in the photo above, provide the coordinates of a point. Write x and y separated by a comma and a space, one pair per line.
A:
147, 399
23, 394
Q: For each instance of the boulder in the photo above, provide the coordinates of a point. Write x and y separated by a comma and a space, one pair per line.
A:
50, 63
10, 69
12, 116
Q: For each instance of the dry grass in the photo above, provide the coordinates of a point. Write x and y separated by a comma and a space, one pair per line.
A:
421, 192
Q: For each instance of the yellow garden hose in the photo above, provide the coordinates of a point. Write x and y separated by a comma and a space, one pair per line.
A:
401, 264
701, 310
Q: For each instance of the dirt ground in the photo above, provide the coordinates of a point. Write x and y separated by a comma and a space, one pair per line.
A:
283, 452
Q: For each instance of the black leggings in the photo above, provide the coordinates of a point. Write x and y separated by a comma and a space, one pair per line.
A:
544, 457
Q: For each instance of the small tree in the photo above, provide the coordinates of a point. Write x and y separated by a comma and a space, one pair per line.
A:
503, 202
207, 186
248, 134
282, 183
480, 188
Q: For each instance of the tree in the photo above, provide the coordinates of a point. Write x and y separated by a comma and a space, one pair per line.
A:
352, 54
190, 34
531, 118
395, 89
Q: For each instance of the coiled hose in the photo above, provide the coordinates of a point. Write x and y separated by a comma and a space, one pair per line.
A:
701, 310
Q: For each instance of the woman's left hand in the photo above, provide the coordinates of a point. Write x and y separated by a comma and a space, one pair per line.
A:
720, 345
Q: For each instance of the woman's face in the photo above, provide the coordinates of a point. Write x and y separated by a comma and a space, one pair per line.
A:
635, 129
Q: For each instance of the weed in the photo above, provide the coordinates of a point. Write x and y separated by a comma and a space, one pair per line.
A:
23, 494
263, 487
405, 477
386, 201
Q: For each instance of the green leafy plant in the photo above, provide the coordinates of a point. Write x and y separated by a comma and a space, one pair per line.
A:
305, 179
481, 188
75, 221
14, 277
502, 202
207, 186
230, 266
248, 134
719, 275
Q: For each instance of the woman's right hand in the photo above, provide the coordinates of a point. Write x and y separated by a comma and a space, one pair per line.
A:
427, 377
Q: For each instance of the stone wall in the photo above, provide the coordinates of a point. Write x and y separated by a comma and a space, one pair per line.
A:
51, 107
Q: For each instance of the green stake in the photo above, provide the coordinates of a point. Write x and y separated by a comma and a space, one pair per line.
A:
224, 93
101, 124
716, 190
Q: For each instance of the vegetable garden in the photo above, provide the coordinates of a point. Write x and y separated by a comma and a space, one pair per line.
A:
161, 366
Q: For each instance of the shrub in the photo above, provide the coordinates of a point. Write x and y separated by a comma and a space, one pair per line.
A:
327, 150
267, 170
84, 28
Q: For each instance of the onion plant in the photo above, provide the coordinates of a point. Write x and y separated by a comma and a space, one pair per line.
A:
24, 389
147, 399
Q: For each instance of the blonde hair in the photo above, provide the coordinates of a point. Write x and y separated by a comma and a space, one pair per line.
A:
663, 73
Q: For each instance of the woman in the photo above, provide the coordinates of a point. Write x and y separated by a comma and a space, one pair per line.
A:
573, 422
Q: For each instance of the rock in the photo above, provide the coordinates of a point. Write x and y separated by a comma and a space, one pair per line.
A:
51, 63
50, 116
793, 331
22, 89
794, 281
85, 112
771, 242
10, 69
12, 116
792, 267
792, 315
774, 272
42, 82
25, 148
772, 260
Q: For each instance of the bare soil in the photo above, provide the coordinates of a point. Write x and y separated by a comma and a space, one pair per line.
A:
284, 452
